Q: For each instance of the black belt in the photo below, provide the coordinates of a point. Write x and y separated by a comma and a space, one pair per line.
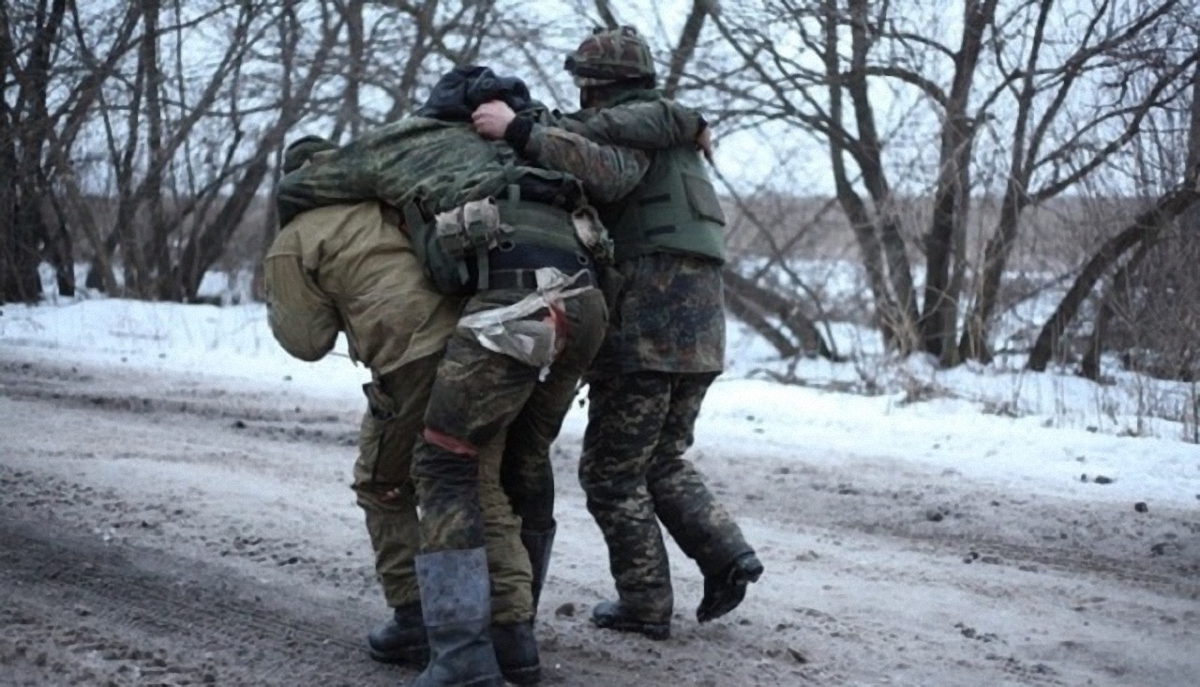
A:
527, 279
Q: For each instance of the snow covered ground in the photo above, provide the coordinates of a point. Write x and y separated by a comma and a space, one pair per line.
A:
1043, 429
869, 510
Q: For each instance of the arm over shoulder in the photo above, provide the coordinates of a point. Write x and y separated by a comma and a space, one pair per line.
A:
302, 318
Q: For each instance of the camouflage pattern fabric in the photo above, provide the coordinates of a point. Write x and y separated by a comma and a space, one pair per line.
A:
607, 172
347, 268
611, 55
302, 150
387, 495
643, 125
479, 394
607, 149
447, 164
398, 163
668, 316
632, 471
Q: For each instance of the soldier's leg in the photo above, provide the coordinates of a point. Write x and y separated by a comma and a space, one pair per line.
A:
391, 517
704, 530
512, 582
527, 474
625, 415
476, 395
383, 484
508, 563
382, 474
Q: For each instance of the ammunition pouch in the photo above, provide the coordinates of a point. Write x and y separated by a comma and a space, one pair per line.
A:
461, 249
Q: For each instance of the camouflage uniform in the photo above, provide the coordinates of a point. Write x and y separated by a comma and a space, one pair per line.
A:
478, 394
664, 347
348, 268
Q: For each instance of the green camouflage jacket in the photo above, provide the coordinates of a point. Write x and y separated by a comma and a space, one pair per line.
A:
414, 157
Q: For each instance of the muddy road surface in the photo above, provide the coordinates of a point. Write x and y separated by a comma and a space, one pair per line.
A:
166, 529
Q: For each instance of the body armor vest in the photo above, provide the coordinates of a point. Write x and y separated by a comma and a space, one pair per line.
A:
674, 209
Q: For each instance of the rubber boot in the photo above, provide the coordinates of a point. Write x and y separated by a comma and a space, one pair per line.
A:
517, 652
401, 639
539, 543
723, 592
456, 606
614, 615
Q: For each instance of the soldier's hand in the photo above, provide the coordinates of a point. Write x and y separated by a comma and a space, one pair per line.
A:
491, 119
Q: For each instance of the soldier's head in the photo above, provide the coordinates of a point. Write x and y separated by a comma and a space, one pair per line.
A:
610, 62
301, 151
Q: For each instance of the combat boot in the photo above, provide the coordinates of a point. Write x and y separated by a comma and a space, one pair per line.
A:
615, 615
456, 608
401, 639
723, 592
539, 543
517, 652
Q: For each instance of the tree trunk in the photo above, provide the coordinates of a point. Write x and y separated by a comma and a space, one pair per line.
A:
21, 254
27, 124
759, 303
1119, 290
686, 47
901, 307
1123, 279
1145, 227
206, 248
349, 115
939, 320
60, 249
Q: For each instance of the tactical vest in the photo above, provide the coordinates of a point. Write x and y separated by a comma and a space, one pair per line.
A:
472, 247
674, 210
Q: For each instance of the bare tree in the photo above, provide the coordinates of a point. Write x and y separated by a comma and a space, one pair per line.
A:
24, 129
1121, 51
817, 67
1142, 233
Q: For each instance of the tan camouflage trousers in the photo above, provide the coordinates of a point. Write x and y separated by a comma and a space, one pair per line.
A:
387, 495
634, 475
479, 395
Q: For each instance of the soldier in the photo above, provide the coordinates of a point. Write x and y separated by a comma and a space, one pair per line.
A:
664, 346
350, 268
519, 243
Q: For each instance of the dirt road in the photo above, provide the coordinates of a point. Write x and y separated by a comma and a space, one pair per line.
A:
170, 530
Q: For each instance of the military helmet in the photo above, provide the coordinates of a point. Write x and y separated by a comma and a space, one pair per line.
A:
302, 150
611, 55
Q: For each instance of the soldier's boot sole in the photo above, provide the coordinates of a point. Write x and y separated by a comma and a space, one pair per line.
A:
725, 592
609, 615
416, 656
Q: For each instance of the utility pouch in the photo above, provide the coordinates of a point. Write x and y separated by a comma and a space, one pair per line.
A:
471, 229
452, 244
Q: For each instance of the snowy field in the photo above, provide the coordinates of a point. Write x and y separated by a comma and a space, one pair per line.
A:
971, 526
